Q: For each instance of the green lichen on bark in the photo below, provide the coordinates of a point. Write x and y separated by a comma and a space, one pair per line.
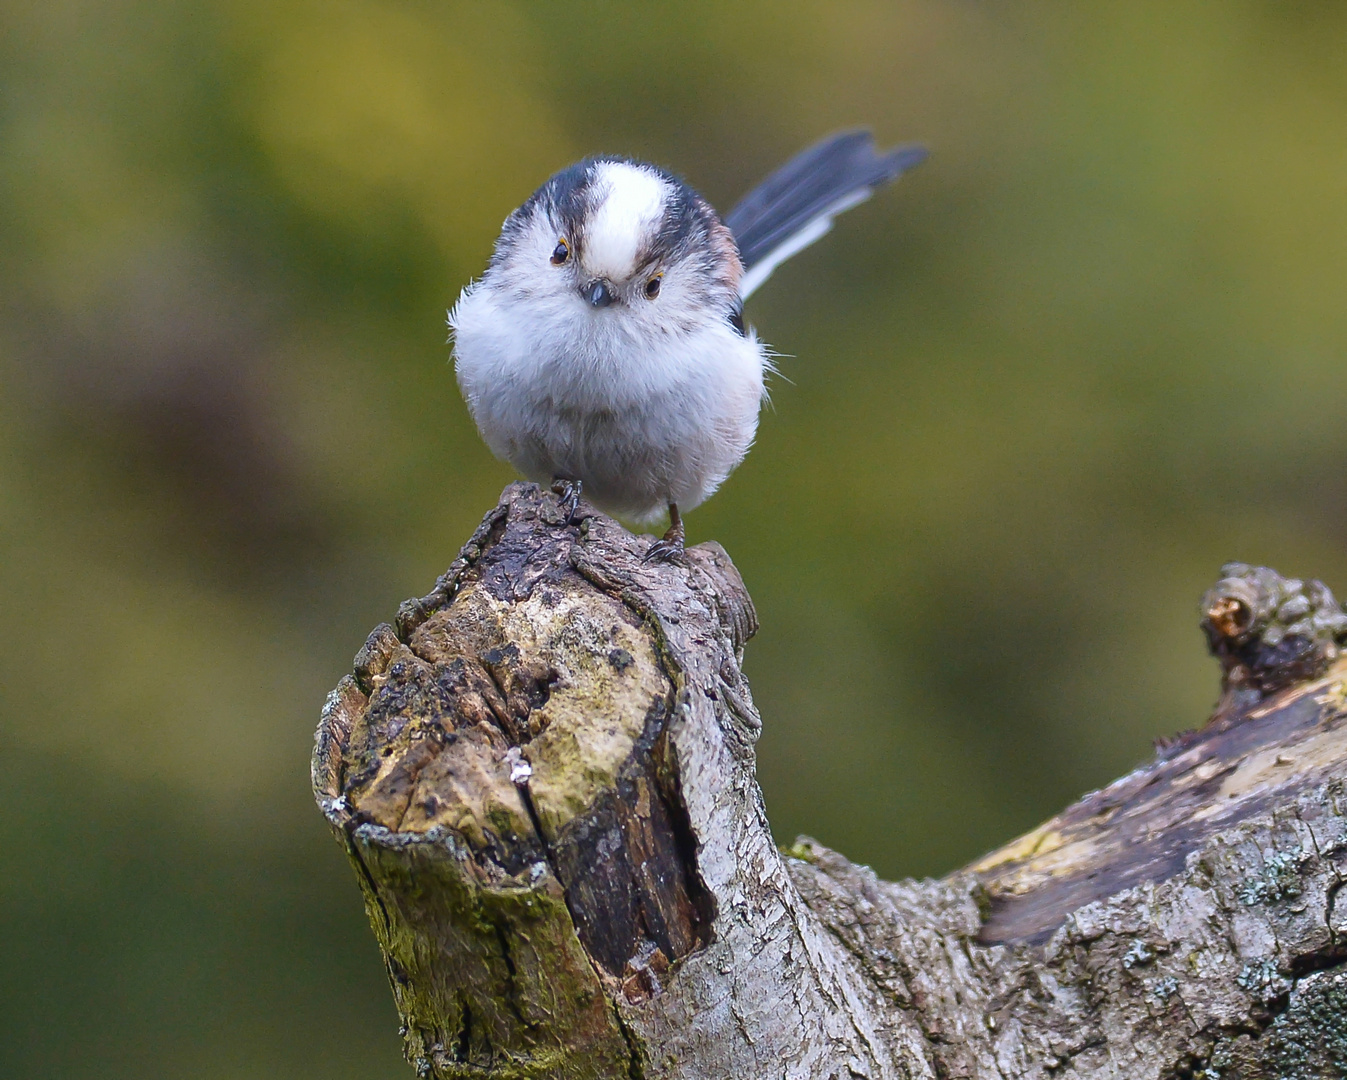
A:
1306, 1041
1309, 1040
490, 978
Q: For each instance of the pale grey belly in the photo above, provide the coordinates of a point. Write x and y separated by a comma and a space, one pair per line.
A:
634, 461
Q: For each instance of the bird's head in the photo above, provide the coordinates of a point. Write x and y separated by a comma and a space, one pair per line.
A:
620, 241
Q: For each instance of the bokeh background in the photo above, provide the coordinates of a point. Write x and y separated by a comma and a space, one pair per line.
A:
1032, 398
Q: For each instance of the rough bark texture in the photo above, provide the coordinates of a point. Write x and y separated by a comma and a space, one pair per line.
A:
543, 774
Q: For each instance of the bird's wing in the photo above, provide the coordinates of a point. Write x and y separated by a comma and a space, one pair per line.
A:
796, 204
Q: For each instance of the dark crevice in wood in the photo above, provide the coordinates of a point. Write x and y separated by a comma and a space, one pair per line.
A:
511, 986
685, 842
1322, 960
463, 1044
371, 887
1333, 891
635, 1058
628, 868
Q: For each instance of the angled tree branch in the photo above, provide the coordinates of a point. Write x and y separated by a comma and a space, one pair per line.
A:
543, 775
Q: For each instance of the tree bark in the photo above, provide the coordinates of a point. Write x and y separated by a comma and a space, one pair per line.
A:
543, 774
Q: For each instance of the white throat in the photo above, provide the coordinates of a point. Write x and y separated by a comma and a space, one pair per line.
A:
628, 207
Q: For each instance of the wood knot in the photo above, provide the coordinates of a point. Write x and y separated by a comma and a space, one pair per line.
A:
1269, 631
1230, 616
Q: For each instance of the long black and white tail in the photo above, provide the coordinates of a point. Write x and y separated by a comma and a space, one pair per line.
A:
796, 204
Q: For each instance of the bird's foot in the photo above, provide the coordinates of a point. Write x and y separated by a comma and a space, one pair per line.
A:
669, 548
569, 491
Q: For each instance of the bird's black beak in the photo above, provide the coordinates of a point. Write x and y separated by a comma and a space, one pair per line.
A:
597, 293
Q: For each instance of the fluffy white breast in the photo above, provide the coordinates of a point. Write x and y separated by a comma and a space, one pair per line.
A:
628, 206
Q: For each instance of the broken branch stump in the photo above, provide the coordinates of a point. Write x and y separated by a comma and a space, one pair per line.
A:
543, 775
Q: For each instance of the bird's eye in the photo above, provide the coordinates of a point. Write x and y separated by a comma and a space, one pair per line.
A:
652, 286
561, 252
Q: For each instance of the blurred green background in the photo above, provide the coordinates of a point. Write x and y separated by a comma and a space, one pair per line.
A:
1032, 398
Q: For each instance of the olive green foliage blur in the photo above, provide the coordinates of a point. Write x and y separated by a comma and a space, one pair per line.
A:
1030, 399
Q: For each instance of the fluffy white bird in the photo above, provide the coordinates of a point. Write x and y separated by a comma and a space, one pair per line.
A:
605, 349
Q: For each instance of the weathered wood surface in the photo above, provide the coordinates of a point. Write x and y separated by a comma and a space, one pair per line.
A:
543, 774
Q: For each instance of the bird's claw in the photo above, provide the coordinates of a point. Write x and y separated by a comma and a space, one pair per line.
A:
665, 550
669, 547
569, 492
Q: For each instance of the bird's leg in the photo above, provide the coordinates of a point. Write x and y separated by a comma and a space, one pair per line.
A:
670, 548
569, 490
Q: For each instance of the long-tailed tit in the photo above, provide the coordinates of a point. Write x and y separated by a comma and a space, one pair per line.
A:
605, 346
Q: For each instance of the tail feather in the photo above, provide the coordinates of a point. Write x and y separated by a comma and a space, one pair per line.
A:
796, 204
